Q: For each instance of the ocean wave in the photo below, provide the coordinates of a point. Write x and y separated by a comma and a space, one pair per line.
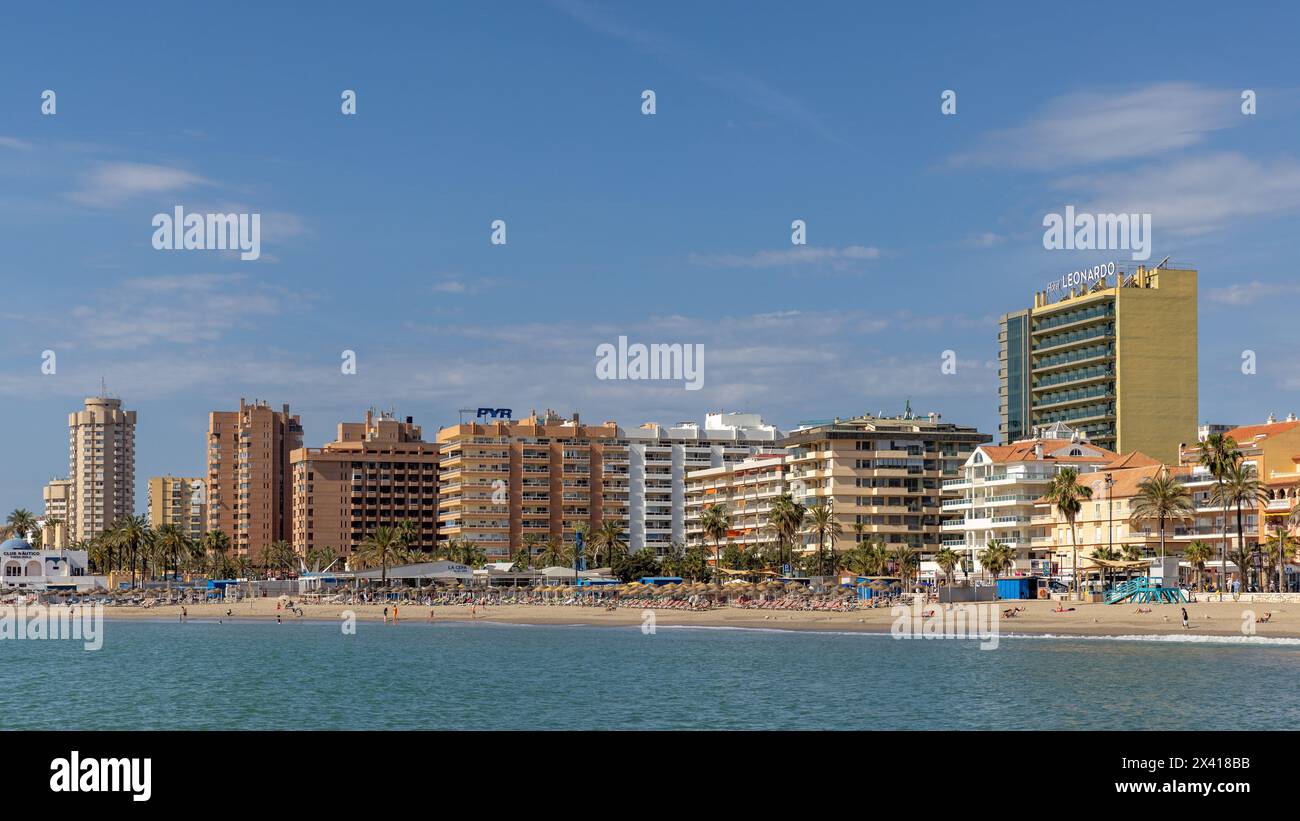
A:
1168, 638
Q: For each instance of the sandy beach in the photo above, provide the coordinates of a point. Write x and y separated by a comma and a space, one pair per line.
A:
1206, 618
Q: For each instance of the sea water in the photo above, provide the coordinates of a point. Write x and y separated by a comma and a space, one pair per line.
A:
477, 675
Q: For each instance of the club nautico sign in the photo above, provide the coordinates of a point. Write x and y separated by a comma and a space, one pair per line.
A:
1085, 277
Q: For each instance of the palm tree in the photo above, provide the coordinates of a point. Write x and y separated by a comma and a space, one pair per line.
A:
319, 558
947, 559
1242, 557
1106, 554
821, 521
556, 553
131, 533
379, 548
1279, 549
532, 546
878, 557
280, 555
408, 533
21, 523
715, 522
1218, 453
904, 558
1197, 554
608, 541
786, 521
216, 545
1161, 497
1067, 495
1241, 486
995, 558
172, 541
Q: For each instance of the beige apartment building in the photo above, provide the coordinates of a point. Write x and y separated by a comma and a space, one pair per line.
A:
1273, 450
501, 482
884, 473
180, 501
101, 467
249, 475
376, 473
56, 495
746, 489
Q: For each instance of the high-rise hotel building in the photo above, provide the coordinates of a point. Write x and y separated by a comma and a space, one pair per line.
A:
542, 476
181, 501
376, 473
1113, 357
101, 467
249, 478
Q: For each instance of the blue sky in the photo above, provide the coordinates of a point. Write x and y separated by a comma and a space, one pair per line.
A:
922, 228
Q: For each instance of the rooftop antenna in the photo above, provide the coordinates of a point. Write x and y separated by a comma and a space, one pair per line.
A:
1163, 263
464, 411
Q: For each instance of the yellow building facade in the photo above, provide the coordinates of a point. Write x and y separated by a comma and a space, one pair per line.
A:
1114, 356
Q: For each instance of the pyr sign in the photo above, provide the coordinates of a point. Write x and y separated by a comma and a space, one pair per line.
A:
494, 413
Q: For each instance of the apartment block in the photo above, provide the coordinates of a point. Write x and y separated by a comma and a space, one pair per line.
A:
746, 489
500, 482
999, 490
884, 473
1115, 359
375, 473
181, 501
56, 496
101, 467
1273, 450
249, 475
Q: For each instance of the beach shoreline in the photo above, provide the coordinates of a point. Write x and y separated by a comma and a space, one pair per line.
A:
1036, 619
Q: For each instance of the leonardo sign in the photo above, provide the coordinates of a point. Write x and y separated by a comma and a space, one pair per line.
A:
1086, 277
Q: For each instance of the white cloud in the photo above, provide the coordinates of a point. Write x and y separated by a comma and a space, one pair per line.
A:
1090, 127
1249, 293
167, 310
1196, 195
800, 255
113, 183
987, 239
15, 143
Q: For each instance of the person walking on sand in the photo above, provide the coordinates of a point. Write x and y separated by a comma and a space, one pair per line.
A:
394, 612
385, 615
1184, 618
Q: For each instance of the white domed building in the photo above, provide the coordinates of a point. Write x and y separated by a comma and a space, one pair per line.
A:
27, 568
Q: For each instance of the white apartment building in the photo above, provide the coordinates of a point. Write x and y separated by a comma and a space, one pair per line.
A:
658, 459
998, 488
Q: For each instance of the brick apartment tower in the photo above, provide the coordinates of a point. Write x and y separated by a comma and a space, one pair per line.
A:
249, 475
376, 473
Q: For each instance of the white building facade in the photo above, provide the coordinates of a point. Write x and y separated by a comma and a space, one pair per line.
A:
25, 568
658, 459
998, 488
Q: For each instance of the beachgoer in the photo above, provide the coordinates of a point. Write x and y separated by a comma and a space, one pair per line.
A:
385, 615
1184, 618
277, 619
